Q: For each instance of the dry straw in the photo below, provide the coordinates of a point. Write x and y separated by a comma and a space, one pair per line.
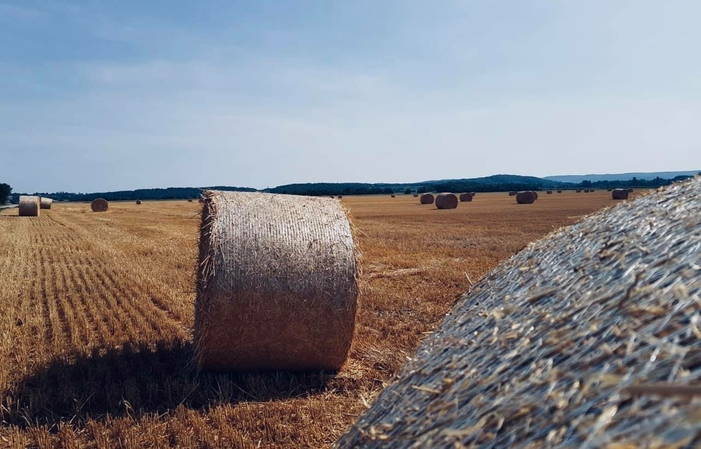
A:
276, 285
465, 197
588, 338
446, 201
46, 203
99, 205
527, 197
619, 194
29, 206
426, 198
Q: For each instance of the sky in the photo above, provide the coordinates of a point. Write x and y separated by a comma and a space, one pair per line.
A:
125, 94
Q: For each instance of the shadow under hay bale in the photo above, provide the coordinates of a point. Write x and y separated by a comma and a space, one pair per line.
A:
465, 197
46, 203
29, 206
99, 205
527, 197
446, 201
276, 287
619, 194
426, 198
587, 338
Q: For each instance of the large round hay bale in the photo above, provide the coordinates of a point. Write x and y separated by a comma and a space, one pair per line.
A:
277, 283
587, 338
99, 205
526, 197
29, 206
138, 202
426, 198
619, 194
465, 197
46, 203
513, 193
446, 201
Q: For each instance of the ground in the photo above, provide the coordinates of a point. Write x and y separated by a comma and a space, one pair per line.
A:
97, 315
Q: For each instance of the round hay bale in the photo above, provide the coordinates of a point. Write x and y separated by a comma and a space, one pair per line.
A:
99, 205
465, 197
138, 202
549, 192
29, 206
189, 201
579, 191
559, 191
591, 349
393, 196
619, 194
339, 196
513, 193
277, 283
46, 203
630, 190
526, 197
473, 194
427, 198
446, 201
416, 195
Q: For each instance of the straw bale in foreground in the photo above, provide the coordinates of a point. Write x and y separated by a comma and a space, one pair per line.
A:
588, 338
276, 285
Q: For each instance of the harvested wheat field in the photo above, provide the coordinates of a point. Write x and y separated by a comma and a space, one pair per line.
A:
98, 311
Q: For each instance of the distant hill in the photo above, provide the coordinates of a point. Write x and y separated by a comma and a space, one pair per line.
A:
576, 179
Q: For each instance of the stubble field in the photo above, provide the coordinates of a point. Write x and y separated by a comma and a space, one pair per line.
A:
96, 315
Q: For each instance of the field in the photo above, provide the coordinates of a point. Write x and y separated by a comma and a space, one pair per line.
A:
97, 311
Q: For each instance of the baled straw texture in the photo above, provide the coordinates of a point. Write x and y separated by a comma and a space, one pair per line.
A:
465, 197
426, 198
276, 285
446, 201
46, 203
29, 206
99, 205
619, 194
527, 197
588, 338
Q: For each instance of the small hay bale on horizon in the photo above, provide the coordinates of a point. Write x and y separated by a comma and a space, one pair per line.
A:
513, 193
271, 294
29, 206
46, 203
446, 201
138, 202
619, 194
99, 205
427, 198
465, 197
393, 196
559, 191
549, 192
526, 197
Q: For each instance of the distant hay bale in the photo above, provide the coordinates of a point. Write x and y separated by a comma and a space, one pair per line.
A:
277, 283
559, 191
427, 198
339, 196
513, 193
619, 194
29, 206
416, 195
189, 201
46, 203
579, 191
465, 197
393, 196
446, 201
473, 194
587, 338
99, 205
138, 202
526, 197
549, 192
630, 190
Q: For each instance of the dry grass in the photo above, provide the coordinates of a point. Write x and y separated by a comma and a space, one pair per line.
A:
97, 351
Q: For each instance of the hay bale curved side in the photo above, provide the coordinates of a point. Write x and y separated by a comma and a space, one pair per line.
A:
276, 285
619, 194
527, 197
426, 198
46, 203
138, 202
465, 197
99, 205
29, 206
535, 193
446, 201
587, 338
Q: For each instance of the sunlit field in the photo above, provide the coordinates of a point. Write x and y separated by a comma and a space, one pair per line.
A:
96, 316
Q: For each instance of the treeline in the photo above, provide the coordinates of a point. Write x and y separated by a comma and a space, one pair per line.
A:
634, 183
170, 193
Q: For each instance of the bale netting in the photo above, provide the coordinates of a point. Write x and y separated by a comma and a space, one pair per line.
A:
619, 194
446, 201
465, 197
45, 203
29, 206
276, 284
99, 205
589, 338
526, 197
426, 198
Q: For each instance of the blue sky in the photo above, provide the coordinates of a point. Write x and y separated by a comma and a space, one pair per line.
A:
107, 95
